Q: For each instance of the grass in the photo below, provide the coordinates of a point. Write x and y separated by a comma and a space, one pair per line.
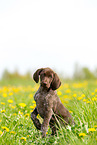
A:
16, 104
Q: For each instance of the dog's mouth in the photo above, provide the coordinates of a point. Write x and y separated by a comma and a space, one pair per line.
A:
44, 85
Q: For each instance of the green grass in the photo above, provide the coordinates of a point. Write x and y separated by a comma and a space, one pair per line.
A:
80, 98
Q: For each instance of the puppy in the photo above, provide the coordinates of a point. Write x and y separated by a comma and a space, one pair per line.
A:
48, 104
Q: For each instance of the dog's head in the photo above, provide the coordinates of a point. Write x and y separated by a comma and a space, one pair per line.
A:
48, 78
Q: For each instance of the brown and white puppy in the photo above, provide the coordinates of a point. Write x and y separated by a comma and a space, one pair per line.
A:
48, 104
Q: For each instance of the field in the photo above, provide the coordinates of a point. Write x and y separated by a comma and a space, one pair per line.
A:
17, 102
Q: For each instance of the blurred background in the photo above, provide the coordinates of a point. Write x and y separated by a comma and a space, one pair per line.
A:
61, 35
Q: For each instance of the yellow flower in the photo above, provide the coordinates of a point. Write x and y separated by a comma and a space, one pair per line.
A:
23, 138
94, 99
91, 129
14, 114
82, 134
10, 101
80, 98
0, 120
68, 91
74, 95
33, 102
92, 93
31, 111
5, 128
1, 132
70, 111
2, 103
85, 100
26, 115
12, 106
65, 96
22, 104
20, 112
2, 111
12, 132
83, 95
96, 90
32, 107
59, 93
95, 125
10, 94
4, 95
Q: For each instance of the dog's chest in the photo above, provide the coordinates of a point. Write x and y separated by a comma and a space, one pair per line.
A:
42, 102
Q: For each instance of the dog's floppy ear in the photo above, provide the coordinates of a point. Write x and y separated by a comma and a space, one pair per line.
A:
56, 83
36, 75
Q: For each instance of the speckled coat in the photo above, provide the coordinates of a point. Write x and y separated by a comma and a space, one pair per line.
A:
49, 107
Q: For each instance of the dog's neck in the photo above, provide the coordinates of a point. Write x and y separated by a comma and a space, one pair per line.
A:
45, 89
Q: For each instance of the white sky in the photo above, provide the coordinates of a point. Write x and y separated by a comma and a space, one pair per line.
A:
42, 33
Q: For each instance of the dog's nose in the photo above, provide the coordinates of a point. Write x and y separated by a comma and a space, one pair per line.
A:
45, 82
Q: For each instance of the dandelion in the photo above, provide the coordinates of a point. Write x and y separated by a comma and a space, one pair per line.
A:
59, 93
14, 114
70, 111
1, 132
10, 101
12, 106
80, 98
10, 94
82, 134
96, 90
91, 129
12, 132
2, 111
0, 120
95, 125
5, 128
68, 91
85, 100
33, 102
4, 95
23, 138
94, 99
22, 104
92, 93
21, 113
74, 95
2, 103
83, 95
65, 96
32, 107
26, 115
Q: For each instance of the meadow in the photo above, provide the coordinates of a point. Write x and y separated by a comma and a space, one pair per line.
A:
17, 102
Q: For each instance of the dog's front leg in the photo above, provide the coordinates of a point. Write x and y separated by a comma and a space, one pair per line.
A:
45, 124
35, 120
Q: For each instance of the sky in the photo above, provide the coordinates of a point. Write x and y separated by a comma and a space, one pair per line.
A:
48, 33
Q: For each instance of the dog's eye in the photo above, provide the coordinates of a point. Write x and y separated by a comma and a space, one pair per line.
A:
50, 76
44, 74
